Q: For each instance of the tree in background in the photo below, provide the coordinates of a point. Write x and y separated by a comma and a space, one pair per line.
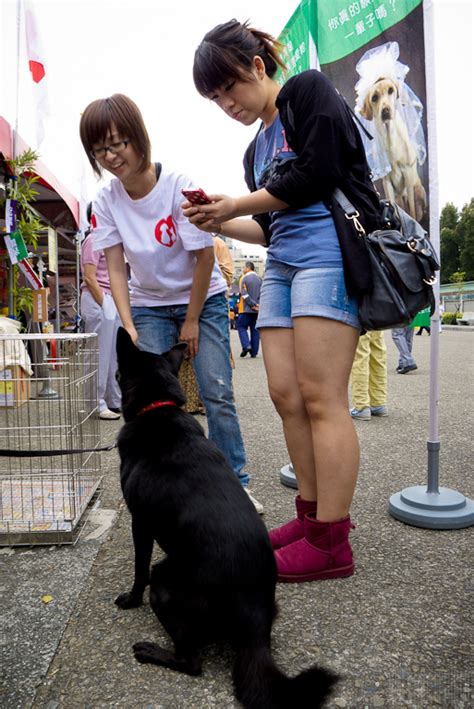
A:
448, 243
457, 242
466, 230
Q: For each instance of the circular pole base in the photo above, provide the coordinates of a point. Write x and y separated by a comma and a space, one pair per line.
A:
47, 392
446, 509
288, 477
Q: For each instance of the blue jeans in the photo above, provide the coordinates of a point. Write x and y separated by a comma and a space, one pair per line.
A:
247, 321
403, 339
158, 330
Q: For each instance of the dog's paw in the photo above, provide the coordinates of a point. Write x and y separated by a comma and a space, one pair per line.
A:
150, 652
128, 600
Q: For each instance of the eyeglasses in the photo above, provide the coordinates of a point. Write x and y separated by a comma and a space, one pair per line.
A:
114, 148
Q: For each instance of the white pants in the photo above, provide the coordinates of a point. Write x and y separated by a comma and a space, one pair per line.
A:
104, 320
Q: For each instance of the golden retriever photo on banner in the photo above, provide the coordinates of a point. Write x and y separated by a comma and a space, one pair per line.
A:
392, 114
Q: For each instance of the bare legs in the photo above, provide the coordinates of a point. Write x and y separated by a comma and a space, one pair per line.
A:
308, 370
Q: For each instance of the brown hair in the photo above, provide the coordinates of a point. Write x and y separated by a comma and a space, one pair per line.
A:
227, 52
125, 115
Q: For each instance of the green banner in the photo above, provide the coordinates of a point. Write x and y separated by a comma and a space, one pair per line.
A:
341, 27
336, 28
298, 43
373, 52
422, 319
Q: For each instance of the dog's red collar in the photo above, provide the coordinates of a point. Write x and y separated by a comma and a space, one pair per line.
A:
156, 405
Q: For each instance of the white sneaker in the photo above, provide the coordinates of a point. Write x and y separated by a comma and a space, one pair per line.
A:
108, 415
258, 505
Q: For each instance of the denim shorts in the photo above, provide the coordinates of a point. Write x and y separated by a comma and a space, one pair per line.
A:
289, 292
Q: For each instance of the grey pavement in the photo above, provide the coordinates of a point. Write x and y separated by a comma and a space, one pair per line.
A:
400, 631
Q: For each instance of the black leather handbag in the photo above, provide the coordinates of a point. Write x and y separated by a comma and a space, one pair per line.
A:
402, 263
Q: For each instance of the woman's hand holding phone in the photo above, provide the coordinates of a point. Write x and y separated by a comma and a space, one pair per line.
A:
196, 196
193, 212
197, 219
208, 211
221, 209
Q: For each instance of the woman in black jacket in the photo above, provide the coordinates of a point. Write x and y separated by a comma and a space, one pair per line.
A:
306, 146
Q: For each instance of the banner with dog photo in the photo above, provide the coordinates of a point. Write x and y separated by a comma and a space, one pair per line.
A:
374, 53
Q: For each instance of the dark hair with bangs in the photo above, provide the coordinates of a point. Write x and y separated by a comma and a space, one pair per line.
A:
125, 115
227, 52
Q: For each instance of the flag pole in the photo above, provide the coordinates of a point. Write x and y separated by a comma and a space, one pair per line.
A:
433, 507
14, 141
17, 102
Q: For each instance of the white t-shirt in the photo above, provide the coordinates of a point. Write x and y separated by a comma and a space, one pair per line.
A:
157, 239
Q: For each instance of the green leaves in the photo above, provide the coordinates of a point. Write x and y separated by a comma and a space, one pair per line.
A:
23, 299
24, 162
21, 187
457, 243
30, 227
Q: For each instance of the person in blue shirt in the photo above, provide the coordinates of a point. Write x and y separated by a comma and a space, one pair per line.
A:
305, 147
250, 286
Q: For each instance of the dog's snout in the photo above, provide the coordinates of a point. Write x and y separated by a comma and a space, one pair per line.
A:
386, 114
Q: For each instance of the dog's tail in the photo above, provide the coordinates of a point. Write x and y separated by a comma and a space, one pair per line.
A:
259, 684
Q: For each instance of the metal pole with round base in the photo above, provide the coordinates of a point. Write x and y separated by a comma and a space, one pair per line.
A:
445, 509
432, 507
47, 392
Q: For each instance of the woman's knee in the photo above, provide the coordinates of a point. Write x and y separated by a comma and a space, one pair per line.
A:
324, 402
287, 402
320, 409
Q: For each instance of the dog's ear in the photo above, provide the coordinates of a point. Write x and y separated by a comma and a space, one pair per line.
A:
126, 350
366, 110
176, 354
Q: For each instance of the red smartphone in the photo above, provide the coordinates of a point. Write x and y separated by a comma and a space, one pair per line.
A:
196, 196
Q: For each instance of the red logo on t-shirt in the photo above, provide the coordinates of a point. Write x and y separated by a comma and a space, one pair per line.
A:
165, 231
93, 221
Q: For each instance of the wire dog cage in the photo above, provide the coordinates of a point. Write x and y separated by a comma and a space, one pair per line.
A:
48, 401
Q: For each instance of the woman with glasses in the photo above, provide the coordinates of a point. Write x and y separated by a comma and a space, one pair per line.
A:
305, 147
176, 290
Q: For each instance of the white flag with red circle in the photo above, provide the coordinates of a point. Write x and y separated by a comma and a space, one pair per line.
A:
37, 66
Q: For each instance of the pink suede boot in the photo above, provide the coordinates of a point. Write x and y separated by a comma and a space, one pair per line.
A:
323, 553
293, 530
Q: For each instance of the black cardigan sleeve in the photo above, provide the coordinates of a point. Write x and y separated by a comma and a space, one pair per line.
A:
329, 153
322, 135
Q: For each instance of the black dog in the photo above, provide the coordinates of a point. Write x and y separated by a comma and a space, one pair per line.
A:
217, 581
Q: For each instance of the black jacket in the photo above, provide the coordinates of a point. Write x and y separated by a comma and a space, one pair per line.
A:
320, 129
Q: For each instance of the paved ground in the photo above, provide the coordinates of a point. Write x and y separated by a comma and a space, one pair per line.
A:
400, 631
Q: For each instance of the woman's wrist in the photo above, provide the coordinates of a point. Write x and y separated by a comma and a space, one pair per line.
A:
241, 207
127, 323
258, 202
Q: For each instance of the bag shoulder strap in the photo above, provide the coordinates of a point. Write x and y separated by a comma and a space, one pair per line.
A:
355, 117
344, 203
350, 212
157, 170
